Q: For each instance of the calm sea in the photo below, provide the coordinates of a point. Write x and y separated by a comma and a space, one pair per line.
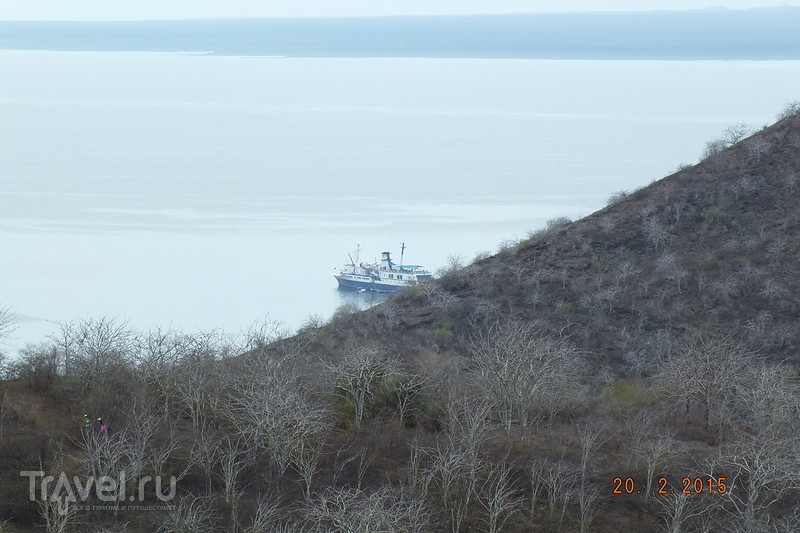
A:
200, 192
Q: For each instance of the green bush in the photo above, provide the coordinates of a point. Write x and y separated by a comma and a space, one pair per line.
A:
624, 397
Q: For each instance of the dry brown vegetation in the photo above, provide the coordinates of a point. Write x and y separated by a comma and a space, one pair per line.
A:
652, 341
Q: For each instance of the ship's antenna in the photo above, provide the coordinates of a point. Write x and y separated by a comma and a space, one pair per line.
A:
402, 249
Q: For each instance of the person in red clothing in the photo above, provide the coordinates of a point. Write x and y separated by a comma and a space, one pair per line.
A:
103, 427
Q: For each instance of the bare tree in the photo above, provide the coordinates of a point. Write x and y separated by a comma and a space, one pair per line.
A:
271, 407
204, 454
521, 368
758, 146
680, 508
58, 513
764, 469
261, 334
591, 434
789, 110
91, 349
406, 389
770, 404
157, 362
305, 460
709, 371
466, 420
717, 156
453, 472
356, 379
454, 264
190, 515
233, 457
7, 322
535, 470
736, 132
655, 451
498, 496
200, 379
561, 483
57, 507
588, 496
5, 408
267, 518
656, 234
346, 510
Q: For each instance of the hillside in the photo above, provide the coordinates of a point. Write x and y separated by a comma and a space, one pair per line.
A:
713, 247
635, 370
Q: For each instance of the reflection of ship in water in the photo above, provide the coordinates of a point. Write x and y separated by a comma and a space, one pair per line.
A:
360, 299
385, 276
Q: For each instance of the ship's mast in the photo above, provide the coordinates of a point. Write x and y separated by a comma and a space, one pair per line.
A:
402, 249
358, 252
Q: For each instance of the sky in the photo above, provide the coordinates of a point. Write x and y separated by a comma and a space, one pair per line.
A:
178, 9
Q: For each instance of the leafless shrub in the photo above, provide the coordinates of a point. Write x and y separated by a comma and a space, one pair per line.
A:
772, 291
270, 406
680, 508
607, 225
616, 197
725, 288
58, 513
356, 378
736, 132
770, 405
667, 265
535, 470
656, 234
306, 462
453, 264
654, 450
591, 435
714, 149
707, 371
508, 245
480, 256
345, 311
190, 515
342, 510
625, 270
198, 382
267, 515
234, 455
791, 181
763, 470
453, 476
484, 311
757, 147
557, 223
438, 297
521, 368
58, 508
717, 156
561, 483
588, 496
7, 323
261, 333
5, 410
677, 209
498, 497
466, 419
791, 109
